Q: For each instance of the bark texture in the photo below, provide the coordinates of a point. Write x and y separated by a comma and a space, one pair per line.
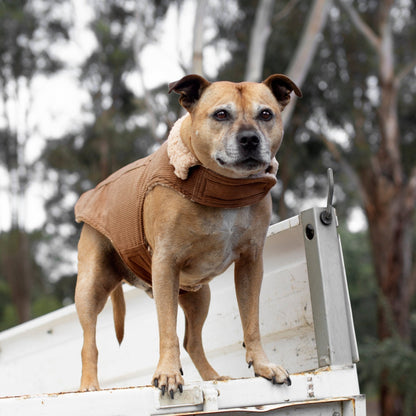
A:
389, 196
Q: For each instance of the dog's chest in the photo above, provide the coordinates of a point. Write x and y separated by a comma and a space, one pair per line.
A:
219, 242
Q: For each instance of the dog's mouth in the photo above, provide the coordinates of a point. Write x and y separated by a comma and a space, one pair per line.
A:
247, 164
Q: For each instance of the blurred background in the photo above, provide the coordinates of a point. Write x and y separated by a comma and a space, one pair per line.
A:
83, 91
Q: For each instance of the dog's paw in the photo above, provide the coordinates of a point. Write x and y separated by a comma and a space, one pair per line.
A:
275, 373
169, 381
89, 386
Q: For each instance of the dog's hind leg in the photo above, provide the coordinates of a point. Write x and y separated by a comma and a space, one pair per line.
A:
96, 281
195, 306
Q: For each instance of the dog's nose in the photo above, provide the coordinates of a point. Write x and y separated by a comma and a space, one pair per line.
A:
248, 140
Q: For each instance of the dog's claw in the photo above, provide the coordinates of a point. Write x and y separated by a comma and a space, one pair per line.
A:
181, 371
168, 382
287, 381
274, 373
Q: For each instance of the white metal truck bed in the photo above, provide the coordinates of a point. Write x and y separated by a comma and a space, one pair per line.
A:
306, 326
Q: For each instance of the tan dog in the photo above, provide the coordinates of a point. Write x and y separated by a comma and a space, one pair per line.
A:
234, 131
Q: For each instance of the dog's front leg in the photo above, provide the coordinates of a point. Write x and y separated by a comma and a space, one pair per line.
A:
165, 282
248, 278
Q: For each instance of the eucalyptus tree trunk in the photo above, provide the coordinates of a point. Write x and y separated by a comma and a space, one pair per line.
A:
15, 256
15, 261
139, 42
260, 33
305, 50
389, 198
198, 37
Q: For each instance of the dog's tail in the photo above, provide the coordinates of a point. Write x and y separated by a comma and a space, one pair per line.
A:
119, 311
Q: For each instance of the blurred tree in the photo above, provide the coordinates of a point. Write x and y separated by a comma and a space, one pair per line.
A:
26, 30
385, 179
306, 47
198, 37
122, 127
260, 33
17, 294
356, 119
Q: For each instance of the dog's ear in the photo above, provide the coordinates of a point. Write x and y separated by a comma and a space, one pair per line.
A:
190, 89
281, 87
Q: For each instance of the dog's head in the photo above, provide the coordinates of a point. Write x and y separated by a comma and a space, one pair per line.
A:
234, 129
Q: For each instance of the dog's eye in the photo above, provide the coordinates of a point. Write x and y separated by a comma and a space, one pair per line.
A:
265, 115
221, 115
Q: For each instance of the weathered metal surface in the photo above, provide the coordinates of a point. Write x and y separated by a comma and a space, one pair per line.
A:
335, 336
333, 388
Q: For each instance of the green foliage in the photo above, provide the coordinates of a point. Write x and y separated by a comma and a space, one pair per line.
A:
44, 304
45, 296
8, 315
392, 360
361, 282
17, 254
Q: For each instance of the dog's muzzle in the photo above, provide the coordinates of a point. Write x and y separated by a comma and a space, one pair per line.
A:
247, 152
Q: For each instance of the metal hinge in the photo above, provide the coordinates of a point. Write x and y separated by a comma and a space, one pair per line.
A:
193, 398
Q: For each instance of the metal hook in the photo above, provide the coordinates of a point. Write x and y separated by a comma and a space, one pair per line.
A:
326, 215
